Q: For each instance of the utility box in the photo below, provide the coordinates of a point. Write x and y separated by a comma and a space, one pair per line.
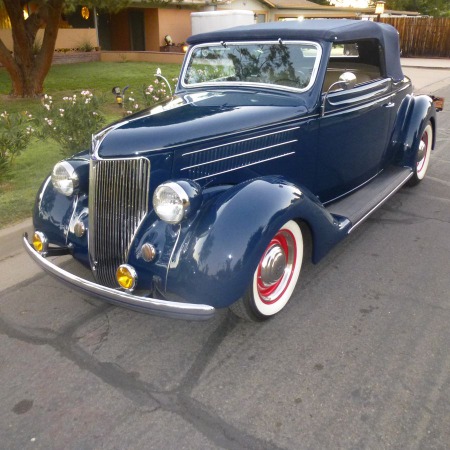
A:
203, 22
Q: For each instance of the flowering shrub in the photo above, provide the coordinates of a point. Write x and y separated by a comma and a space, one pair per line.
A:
152, 94
15, 135
71, 122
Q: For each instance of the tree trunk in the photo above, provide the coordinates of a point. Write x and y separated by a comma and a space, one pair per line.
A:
26, 68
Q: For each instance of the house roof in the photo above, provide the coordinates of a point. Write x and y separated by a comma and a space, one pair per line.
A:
293, 4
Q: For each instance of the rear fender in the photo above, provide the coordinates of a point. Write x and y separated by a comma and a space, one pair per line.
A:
412, 118
216, 257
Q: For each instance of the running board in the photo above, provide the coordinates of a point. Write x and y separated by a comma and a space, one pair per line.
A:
359, 206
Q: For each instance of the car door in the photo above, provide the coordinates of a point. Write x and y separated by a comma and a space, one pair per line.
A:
353, 135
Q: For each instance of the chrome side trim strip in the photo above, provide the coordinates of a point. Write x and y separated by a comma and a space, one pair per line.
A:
175, 310
245, 165
240, 141
357, 105
240, 154
381, 202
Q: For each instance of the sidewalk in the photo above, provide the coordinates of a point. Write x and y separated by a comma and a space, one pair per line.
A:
15, 264
426, 63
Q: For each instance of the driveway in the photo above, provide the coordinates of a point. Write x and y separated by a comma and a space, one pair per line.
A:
358, 360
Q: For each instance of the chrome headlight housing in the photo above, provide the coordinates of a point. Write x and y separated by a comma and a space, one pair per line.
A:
65, 179
174, 201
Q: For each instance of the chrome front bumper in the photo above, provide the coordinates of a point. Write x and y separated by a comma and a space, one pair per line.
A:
175, 310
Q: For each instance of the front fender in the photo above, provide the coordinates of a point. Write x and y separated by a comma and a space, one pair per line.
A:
53, 211
215, 260
412, 118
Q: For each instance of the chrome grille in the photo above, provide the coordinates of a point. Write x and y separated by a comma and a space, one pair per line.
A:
118, 203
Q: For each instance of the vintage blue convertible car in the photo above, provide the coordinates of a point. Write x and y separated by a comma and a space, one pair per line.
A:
276, 133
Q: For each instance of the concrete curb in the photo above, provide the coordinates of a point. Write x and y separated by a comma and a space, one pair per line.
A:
10, 238
424, 63
15, 265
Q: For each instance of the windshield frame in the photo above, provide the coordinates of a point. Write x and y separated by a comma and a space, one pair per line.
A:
243, 84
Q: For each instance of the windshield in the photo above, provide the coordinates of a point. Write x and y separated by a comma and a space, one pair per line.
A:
289, 65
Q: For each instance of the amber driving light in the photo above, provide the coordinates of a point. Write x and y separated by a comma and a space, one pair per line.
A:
126, 277
40, 242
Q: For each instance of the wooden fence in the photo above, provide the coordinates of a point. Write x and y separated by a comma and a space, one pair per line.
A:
422, 36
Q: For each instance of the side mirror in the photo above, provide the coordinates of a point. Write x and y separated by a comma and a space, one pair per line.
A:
346, 81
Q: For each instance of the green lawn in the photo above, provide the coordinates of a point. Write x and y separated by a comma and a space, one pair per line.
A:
17, 193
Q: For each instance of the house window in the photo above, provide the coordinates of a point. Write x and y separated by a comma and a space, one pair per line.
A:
260, 17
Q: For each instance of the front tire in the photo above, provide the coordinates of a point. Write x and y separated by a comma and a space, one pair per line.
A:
275, 277
423, 156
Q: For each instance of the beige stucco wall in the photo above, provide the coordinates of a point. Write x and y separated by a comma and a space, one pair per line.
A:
176, 23
6, 37
67, 37
245, 5
152, 29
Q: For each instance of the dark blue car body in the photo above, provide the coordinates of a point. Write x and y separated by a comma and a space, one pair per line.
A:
250, 156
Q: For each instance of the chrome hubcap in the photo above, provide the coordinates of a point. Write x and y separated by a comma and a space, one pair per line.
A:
276, 267
273, 265
421, 152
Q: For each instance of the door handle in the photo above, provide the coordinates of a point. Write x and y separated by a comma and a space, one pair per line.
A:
389, 105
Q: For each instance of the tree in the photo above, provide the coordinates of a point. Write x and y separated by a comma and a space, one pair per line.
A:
28, 66
436, 8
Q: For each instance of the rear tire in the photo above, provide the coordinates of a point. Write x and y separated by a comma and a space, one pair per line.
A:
275, 277
423, 156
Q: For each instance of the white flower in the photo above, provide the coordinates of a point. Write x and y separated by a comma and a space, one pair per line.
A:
136, 106
47, 107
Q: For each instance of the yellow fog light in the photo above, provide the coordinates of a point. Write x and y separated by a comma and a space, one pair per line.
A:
126, 277
40, 242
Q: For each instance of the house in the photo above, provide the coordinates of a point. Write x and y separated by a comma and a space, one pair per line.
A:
146, 27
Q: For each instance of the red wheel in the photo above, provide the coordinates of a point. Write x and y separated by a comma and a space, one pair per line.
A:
423, 155
275, 277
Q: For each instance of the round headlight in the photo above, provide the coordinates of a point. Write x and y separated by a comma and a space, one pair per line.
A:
170, 202
64, 178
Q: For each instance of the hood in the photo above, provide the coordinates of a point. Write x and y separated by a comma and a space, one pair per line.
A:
190, 119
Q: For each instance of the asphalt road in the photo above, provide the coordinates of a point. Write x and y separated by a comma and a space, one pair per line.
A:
358, 360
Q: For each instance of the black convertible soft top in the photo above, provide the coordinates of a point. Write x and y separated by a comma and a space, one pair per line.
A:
329, 30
